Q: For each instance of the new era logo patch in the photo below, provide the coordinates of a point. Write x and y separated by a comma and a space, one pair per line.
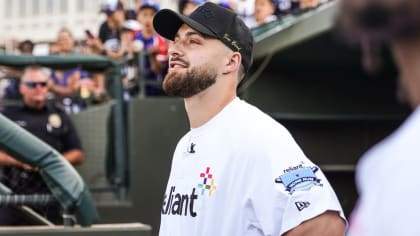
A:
302, 205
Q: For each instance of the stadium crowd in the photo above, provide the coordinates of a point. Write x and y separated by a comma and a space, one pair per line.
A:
127, 36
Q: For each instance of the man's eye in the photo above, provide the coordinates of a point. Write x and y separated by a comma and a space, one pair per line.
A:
192, 41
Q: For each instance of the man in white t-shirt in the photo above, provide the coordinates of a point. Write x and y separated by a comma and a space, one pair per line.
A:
387, 175
238, 171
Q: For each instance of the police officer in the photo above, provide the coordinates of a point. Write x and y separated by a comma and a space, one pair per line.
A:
49, 124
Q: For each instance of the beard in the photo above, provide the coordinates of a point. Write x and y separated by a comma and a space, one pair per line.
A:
190, 83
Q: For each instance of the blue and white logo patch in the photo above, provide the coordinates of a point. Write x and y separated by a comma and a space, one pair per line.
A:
299, 178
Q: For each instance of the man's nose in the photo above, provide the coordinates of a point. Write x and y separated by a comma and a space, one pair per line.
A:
175, 50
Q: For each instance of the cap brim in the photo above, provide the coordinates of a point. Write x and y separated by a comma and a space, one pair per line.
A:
167, 23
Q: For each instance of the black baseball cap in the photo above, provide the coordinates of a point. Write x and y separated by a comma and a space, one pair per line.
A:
212, 20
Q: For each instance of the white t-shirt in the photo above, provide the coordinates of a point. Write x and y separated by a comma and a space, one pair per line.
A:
242, 173
387, 177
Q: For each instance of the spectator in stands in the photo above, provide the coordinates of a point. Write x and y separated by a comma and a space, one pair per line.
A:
154, 45
264, 12
185, 7
92, 89
130, 62
244, 8
53, 48
65, 42
48, 123
65, 83
74, 88
130, 14
26, 47
11, 90
130, 10
109, 41
137, 4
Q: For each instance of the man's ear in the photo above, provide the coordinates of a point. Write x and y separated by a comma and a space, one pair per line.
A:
233, 63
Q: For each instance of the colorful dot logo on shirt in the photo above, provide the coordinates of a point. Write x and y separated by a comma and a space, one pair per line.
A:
207, 183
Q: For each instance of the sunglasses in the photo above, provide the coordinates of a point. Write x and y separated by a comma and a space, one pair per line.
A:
32, 84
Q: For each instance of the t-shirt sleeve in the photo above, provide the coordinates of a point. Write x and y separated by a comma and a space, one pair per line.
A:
310, 195
289, 189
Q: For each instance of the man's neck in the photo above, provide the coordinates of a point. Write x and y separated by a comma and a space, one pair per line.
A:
35, 105
204, 106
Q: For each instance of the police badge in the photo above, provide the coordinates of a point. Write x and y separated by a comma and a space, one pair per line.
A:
54, 120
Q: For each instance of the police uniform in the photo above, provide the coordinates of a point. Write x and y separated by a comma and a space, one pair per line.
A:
53, 126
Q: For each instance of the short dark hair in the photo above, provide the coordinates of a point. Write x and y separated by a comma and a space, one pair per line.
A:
26, 46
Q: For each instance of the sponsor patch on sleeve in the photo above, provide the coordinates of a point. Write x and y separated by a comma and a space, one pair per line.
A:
299, 178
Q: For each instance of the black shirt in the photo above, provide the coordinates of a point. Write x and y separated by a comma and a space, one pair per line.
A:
52, 126
109, 37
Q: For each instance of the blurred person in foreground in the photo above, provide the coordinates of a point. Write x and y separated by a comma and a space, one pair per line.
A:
51, 125
387, 175
237, 171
